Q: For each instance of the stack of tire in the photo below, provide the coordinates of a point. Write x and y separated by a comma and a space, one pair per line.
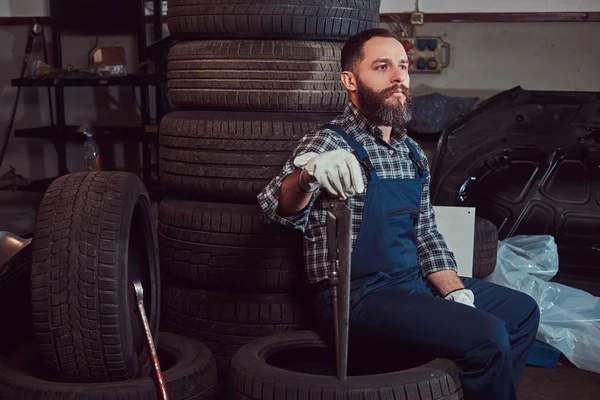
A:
248, 80
94, 236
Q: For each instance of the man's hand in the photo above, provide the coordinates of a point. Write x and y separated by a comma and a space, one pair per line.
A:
451, 287
337, 171
464, 296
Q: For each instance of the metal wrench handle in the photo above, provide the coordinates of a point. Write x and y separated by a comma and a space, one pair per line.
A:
339, 225
159, 381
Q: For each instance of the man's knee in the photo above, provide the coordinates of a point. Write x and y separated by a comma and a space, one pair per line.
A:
534, 317
527, 309
493, 335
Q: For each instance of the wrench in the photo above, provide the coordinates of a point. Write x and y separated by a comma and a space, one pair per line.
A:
339, 225
159, 381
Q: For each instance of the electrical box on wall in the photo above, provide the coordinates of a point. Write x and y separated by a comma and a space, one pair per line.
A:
426, 54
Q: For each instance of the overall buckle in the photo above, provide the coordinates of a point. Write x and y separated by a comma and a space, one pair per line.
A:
366, 163
417, 164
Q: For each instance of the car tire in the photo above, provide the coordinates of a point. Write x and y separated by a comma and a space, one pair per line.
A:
256, 75
256, 373
228, 156
188, 368
226, 321
275, 19
227, 247
485, 248
94, 232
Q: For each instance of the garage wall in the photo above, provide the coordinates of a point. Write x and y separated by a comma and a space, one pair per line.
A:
486, 58
489, 6
18, 8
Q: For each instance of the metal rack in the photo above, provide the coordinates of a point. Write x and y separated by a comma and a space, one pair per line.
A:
60, 132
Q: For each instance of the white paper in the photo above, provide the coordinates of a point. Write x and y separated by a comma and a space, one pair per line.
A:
457, 225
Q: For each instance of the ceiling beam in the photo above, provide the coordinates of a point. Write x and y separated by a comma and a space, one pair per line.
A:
499, 17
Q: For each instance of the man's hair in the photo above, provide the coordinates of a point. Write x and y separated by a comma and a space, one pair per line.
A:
352, 53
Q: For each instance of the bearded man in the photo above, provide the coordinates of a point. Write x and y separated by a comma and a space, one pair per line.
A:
405, 289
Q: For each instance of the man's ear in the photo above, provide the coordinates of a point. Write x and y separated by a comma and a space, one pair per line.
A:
349, 80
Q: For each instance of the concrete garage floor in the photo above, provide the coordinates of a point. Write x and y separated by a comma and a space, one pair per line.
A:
563, 383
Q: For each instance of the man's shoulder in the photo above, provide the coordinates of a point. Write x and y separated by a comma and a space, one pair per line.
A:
325, 134
339, 120
412, 142
419, 149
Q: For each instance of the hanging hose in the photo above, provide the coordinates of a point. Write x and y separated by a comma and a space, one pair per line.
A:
35, 31
6, 137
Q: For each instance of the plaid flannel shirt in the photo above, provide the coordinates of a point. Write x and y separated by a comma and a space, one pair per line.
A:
391, 161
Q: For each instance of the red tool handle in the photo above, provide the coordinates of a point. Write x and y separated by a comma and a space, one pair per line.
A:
159, 381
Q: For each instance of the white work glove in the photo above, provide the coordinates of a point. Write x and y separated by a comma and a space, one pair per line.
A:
464, 296
337, 171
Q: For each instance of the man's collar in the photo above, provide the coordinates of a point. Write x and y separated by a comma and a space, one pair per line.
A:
398, 131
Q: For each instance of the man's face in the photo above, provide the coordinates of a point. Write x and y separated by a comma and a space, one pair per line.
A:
383, 83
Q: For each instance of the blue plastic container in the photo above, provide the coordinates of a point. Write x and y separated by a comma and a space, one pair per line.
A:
543, 355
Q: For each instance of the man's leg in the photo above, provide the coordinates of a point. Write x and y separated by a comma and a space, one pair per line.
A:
476, 340
519, 312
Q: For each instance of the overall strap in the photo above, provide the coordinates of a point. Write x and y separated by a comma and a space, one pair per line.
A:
415, 158
362, 154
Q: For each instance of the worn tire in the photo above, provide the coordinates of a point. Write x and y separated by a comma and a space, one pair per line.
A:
273, 19
94, 232
228, 156
225, 321
256, 75
211, 260
188, 369
485, 248
227, 247
252, 377
221, 224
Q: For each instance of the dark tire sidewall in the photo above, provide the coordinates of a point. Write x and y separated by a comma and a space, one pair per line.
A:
251, 359
185, 352
137, 196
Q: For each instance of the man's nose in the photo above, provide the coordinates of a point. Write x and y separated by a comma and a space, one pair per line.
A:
398, 75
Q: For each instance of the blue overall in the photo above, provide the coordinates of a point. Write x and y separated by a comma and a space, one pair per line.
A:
391, 302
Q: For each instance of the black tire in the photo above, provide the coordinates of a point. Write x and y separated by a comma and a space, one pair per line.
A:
257, 269
188, 369
226, 321
273, 19
485, 248
228, 248
221, 224
229, 156
261, 75
94, 232
252, 376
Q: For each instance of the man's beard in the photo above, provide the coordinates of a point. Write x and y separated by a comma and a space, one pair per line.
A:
375, 106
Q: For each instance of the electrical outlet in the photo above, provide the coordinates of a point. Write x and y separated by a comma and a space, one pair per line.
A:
417, 18
426, 54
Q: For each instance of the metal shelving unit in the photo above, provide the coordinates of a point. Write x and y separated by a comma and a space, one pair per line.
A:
60, 132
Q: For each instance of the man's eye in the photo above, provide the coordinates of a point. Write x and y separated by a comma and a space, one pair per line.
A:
403, 67
382, 67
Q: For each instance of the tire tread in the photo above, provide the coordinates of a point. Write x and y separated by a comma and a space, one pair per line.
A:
257, 75
485, 248
251, 379
75, 290
278, 19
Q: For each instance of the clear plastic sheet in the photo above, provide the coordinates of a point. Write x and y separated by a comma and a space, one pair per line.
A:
570, 318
